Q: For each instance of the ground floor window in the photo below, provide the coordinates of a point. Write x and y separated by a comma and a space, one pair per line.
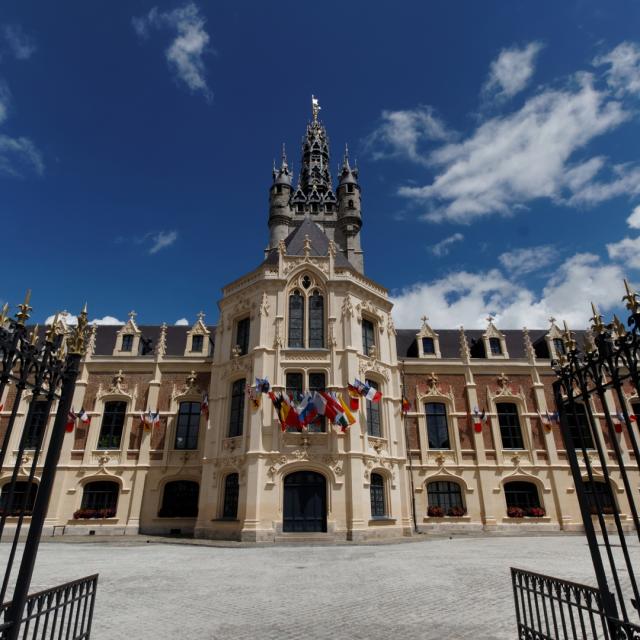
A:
445, 496
378, 507
24, 497
180, 499
599, 496
102, 497
523, 495
231, 490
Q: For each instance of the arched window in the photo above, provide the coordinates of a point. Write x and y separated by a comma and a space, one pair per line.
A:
316, 321
599, 496
443, 494
112, 425
510, 430
36, 423
437, 429
187, 425
296, 320
521, 494
578, 422
24, 497
102, 494
236, 416
378, 508
374, 427
230, 504
180, 499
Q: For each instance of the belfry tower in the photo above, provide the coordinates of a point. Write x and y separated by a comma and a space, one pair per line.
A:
339, 216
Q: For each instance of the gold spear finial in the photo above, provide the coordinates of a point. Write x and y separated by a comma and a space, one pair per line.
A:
77, 339
619, 327
34, 335
23, 314
50, 335
597, 324
631, 297
569, 342
4, 313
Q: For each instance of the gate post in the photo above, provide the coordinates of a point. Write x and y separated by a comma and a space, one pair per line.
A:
69, 376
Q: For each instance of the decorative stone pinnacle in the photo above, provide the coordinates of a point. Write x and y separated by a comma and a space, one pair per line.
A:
201, 316
132, 315
552, 320
236, 351
503, 381
432, 380
191, 380
118, 378
490, 319
307, 244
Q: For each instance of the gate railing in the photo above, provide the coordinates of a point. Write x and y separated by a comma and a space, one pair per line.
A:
61, 612
604, 377
42, 371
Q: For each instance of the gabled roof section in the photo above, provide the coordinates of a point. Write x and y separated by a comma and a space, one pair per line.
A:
318, 244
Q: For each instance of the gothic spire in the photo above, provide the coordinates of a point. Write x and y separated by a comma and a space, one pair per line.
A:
315, 155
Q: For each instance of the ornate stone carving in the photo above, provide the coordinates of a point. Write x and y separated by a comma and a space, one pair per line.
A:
465, 352
264, 305
161, 347
347, 307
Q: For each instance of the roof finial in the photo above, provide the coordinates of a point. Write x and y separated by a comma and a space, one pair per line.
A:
284, 155
315, 108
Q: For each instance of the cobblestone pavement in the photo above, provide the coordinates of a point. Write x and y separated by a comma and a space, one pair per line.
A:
430, 589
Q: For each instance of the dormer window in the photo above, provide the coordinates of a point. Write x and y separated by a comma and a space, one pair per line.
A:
197, 343
428, 346
127, 342
496, 346
558, 345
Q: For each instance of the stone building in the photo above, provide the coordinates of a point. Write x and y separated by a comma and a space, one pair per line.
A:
308, 318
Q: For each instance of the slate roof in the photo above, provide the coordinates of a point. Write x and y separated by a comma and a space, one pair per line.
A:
176, 338
319, 244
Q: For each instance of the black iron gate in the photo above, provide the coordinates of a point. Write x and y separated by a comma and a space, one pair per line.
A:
602, 377
44, 368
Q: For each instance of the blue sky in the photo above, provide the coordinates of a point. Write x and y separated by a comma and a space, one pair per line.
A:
497, 145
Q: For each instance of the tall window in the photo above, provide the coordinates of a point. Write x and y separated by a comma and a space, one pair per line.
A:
23, 494
36, 423
521, 494
376, 490
187, 425
112, 425
437, 428
510, 430
635, 409
100, 495
197, 343
317, 383
368, 336
374, 427
127, 342
579, 432
599, 493
242, 335
231, 490
236, 417
179, 500
428, 346
316, 321
444, 494
496, 346
294, 384
558, 345
296, 320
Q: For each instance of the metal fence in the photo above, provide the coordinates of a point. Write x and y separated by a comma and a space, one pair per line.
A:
62, 612
41, 372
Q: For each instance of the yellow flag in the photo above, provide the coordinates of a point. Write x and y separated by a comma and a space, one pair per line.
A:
347, 412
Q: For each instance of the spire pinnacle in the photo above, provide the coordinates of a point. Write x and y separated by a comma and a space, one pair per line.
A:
315, 108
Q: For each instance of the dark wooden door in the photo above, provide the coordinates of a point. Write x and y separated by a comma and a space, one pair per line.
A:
305, 502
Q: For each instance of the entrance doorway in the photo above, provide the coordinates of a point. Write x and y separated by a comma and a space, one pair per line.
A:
305, 502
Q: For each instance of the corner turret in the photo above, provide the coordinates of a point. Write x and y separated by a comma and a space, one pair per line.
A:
349, 214
280, 212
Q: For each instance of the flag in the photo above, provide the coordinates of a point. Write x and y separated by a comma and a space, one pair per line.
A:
204, 405
255, 396
291, 419
406, 405
354, 398
478, 419
320, 403
144, 421
71, 421
155, 418
262, 385
332, 408
277, 405
348, 415
360, 387
85, 418
373, 395
1, 407
306, 410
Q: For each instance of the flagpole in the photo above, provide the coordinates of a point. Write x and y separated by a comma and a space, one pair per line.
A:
409, 456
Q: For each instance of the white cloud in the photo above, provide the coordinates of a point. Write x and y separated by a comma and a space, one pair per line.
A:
186, 51
623, 74
443, 247
70, 319
511, 71
161, 239
466, 298
634, 219
527, 260
401, 133
510, 160
183, 322
19, 44
18, 154
626, 250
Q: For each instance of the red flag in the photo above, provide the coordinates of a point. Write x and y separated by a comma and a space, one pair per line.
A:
354, 398
406, 405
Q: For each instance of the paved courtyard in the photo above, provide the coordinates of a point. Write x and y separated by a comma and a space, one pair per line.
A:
432, 588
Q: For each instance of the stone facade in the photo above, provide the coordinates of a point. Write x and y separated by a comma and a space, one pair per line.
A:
236, 457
